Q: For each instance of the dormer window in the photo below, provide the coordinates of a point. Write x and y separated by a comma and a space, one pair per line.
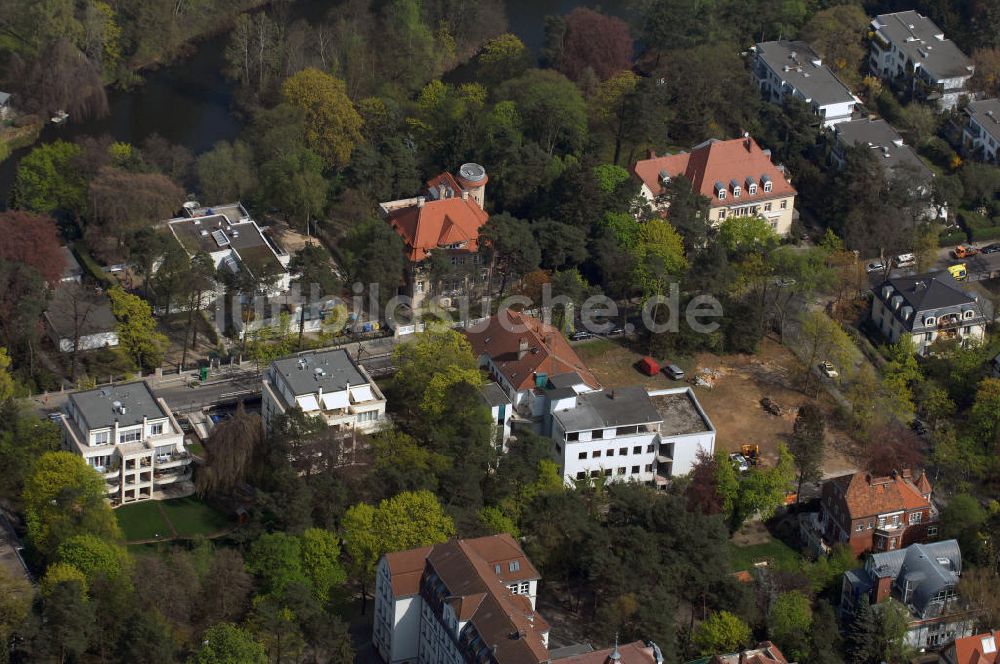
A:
737, 190
767, 183
722, 194
752, 189
930, 320
969, 313
720, 191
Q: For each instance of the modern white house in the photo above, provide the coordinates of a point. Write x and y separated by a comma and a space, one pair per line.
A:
79, 318
463, 601
911, 48
981, 134
629, 434
927, 307
500, 410
327, 384
131, 439
791, 68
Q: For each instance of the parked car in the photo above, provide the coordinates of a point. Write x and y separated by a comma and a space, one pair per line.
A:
906, 260
581, 335
874, 266
783, 282
828, 369
617, 331
648, 366
964, 251
991, 248
673, 371
740, 462
958, 272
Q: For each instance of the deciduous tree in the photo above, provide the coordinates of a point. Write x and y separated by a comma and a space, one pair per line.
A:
136, 329
594, 42
226, 643
333, 125
722, 632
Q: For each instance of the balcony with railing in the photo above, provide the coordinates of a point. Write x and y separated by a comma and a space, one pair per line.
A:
173, 460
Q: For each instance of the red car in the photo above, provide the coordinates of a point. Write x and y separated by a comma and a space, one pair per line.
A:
648, 366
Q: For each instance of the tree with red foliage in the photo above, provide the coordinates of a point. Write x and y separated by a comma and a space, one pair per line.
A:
32, 239
702, 492
897, 448
596, 42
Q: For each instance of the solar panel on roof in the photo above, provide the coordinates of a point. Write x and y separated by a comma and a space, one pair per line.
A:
220, 238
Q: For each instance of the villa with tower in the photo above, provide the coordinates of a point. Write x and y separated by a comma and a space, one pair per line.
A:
440, 232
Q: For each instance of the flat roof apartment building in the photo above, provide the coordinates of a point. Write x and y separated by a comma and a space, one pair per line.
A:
131, 438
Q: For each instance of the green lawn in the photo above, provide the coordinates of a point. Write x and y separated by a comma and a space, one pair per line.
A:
197, 449
188, 516
142, 521
780, 554
191, 517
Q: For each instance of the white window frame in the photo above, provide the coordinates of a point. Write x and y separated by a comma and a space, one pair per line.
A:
156, 429
721, 194
752, 189
737, 190
767, 187
102, 437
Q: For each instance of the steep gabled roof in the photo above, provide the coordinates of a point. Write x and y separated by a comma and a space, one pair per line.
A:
977, 649
862, 495
715, 163
547, 352
436, 223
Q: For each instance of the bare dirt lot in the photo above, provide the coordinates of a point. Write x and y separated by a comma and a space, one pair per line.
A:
733, 403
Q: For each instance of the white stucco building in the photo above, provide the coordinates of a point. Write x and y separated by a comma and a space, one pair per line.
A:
909, 47
328, 384
981, 134
792, 68
131, 438
627, 434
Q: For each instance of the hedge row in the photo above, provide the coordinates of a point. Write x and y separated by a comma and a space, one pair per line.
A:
953, 238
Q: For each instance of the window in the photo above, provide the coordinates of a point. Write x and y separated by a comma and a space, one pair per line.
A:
859, 527
767, 207
767, 187
622, 451
635, 470
784, 205
930, 320
582, 455
573, 436
649, 448
420, 287
581, 475
595, 473
722, 214
931, 531
722, 194
597, 434
916, 517
968, 314
649, 467
621, 470
129, 436
156, 429
102, 437
596, 454
736, 191
525, 587
514, 565
752, 189
368, 416
637, 449
607, 472
610, 453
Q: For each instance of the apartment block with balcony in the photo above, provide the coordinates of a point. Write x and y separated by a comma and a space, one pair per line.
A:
132, 439
792, 69
870, 513
329, 385
912, 49
927, 308
924, 579
463, 601
628, 434
981, 134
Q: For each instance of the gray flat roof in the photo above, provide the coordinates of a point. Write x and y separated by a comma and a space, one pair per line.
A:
333, 370
72, 304
987, 113
892, 151
4, 96
680, 414
924, 43
815, 82
97, 409
609, 408
494, 395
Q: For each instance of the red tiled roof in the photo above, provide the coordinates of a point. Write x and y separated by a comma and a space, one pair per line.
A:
863, 495
405, 569
977, 649
548, 352
631, 653
437, 223
719, 161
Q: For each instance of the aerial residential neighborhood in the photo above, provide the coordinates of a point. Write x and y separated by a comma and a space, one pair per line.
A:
493, 332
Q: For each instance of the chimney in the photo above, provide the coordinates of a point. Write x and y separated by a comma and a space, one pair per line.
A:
522, 347
651, 154
883, 588
442, 191
421, 201
746, 140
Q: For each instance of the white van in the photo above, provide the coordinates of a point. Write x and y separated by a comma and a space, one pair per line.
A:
906, 260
